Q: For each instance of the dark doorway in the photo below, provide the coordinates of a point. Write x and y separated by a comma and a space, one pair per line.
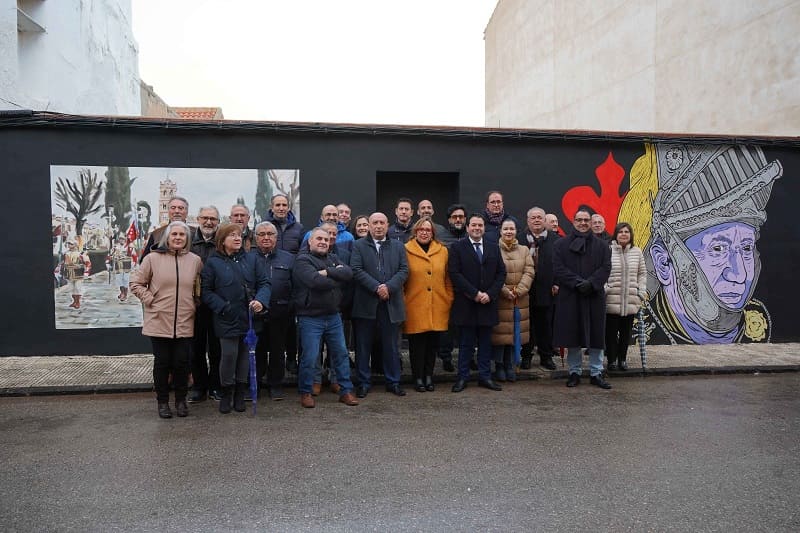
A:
441, 188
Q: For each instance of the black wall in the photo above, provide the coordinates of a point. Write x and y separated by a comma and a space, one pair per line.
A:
333, 167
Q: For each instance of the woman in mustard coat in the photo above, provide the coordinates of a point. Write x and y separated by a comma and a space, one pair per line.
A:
428, 296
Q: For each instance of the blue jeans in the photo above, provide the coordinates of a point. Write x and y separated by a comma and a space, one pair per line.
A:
575, 360
389, 333
313, 330
469, 336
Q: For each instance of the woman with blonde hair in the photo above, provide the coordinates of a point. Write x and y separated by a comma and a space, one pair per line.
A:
428, 296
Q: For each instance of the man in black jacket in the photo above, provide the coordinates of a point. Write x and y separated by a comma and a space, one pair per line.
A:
317, 281
271, 347
541, 242
205, 373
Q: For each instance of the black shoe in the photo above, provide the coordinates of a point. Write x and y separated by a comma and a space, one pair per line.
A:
447, 366
546, 361
164, 411
291, 365
181, 409
489, 384
574, 380
198, 396
429, 383
598, 381
276, 393
525, 364
459, 386
215, 395
623, 365
226, 400
612, 366
395, 389
419, 386
361, 391
238, 397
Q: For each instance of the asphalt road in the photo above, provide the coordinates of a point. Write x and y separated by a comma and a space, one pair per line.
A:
656, 454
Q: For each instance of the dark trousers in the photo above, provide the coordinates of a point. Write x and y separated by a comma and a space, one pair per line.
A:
445, 347
234, 365
171, 356
422, 349
618, 337
365, 330
205, 374
469, 336
541, 317
271, 351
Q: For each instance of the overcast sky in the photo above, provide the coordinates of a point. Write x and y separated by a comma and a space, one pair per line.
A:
363, 61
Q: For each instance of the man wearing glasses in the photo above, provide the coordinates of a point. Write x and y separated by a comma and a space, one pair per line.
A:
205, 373
271, 347
495, 214
582, 264
456, 225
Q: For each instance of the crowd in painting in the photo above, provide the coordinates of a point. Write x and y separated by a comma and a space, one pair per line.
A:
486, 286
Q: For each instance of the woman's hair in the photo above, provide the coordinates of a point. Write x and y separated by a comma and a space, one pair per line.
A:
621, 226
222, 234
162, 243
421, 221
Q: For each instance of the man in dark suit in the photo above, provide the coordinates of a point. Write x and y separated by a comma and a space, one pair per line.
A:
478, 273
541, 242
380, 268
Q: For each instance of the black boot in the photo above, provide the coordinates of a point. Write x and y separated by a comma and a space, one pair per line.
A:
429, 383
238, 397
525, 364
546, 361
181, 408
227, 400
164, 411
419, 386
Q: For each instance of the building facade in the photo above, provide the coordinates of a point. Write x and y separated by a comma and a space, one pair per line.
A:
69, 56
686, 66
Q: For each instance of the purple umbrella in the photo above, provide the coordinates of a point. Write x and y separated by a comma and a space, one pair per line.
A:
251, 339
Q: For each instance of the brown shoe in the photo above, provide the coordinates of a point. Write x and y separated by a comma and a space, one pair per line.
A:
348, 399
316, 388
307, 401
336, 388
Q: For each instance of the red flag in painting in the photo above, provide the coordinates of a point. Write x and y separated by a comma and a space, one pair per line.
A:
133, 231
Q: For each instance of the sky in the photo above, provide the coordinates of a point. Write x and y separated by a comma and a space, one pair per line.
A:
414, 62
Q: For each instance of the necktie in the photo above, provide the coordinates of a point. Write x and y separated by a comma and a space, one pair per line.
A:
379, 246
478, 251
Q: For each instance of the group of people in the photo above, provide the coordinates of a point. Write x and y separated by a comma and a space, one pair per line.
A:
483, 281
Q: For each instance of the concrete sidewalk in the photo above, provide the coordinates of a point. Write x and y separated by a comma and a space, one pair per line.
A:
23, 376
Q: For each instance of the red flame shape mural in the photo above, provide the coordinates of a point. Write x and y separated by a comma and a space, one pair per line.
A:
610, 175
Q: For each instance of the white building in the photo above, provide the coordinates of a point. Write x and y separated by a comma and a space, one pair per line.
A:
69, 56
682, 66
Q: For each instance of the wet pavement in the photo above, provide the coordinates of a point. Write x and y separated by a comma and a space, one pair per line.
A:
679, 453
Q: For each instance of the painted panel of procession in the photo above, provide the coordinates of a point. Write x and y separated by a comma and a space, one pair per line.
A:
696, 212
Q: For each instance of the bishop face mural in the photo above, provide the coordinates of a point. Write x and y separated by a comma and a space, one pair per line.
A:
697, 211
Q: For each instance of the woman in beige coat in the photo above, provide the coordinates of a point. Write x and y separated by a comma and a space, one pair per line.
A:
519, 278
625, 292
165, 284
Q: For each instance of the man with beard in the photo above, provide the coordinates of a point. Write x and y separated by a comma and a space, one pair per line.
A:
582, 265
540, 240
425, 209
401, 229
456, 225
205, 373
494, 214
177, 210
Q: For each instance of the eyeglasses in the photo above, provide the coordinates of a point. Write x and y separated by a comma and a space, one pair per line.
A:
208, 219
457, 216
583, 220
495, 202
265, 233
424, 230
